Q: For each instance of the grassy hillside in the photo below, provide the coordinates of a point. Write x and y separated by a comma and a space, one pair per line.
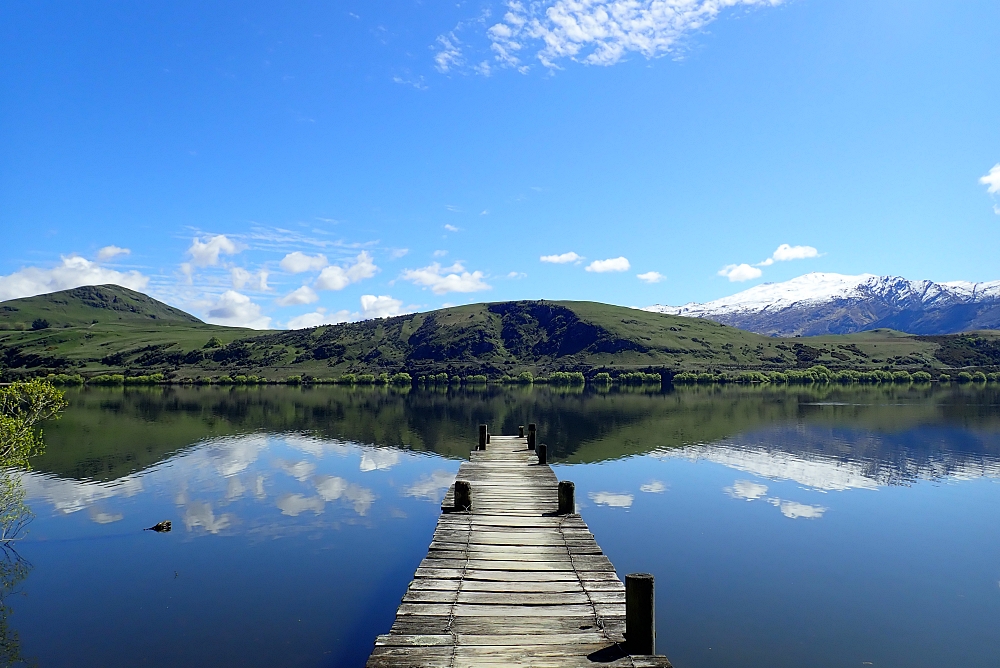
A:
107, 329
91, 305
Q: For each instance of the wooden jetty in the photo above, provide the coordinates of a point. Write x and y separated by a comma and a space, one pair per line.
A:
513, 577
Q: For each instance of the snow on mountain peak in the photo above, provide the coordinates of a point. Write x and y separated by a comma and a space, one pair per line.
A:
818, 288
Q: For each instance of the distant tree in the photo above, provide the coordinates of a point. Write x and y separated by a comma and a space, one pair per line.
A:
214, 342
39, 323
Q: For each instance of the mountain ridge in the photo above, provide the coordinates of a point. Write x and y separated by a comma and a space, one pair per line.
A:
827, 303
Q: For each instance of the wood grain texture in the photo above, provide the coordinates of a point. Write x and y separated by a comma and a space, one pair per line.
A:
510, 582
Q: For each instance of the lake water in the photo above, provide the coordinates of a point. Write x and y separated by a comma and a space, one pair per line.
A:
785, 528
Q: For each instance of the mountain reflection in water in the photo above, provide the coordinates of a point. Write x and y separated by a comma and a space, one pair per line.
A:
300, 515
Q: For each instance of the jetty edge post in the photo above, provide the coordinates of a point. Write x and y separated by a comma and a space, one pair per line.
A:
531, 436
463, 495
520, 431
543, 455
640, 617
567, 497
483, 437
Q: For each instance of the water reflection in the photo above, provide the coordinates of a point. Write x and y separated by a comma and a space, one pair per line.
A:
307, 509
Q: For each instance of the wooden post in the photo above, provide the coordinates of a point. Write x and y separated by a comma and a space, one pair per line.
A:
482, 437
542, 454
640, 619
531, 436
567, 497
463, 495
520, 431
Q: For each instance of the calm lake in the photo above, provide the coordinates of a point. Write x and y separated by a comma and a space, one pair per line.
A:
785, 528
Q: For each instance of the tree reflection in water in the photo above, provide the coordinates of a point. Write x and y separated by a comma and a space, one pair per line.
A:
14, 518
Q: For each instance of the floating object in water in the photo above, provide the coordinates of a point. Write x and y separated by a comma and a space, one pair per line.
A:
160, 527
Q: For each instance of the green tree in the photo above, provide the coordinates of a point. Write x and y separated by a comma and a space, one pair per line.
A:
23, 405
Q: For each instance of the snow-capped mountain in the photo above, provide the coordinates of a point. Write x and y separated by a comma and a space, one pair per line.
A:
821, 303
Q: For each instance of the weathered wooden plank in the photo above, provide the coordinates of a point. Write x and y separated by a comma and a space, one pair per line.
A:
510, 582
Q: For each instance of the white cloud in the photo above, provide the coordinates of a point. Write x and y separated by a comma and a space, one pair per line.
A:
299, 470
651, 277
380, 459
612, 499
431, 486
372, 306
595, 32
439, 253
206, 253
442, 280
338, 277
611, 264
796, 510
317, 318
109, 252
451, 228
381, 306
450, 54
517, 275
746, 489
200, 514
241, 277
106, 518
298, 262
72, 272
740, 272
295, 504
785, 252
332, 488
303, 295
653, 487
992, 180
234, 309
564, 258
397, 253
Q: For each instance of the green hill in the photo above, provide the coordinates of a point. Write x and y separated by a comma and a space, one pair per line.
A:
112, 330
88, 305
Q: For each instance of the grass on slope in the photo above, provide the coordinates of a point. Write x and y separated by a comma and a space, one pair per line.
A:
136, 335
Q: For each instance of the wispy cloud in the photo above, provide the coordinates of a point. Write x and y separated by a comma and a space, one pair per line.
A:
452, 228
563, 258
442, 280
594, 32
110, 252
609, 265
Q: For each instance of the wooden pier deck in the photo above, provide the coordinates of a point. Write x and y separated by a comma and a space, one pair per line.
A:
511, 582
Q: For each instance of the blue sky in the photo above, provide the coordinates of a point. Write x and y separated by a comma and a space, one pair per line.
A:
433, 152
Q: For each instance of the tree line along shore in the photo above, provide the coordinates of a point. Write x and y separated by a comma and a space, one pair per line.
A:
818, 374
